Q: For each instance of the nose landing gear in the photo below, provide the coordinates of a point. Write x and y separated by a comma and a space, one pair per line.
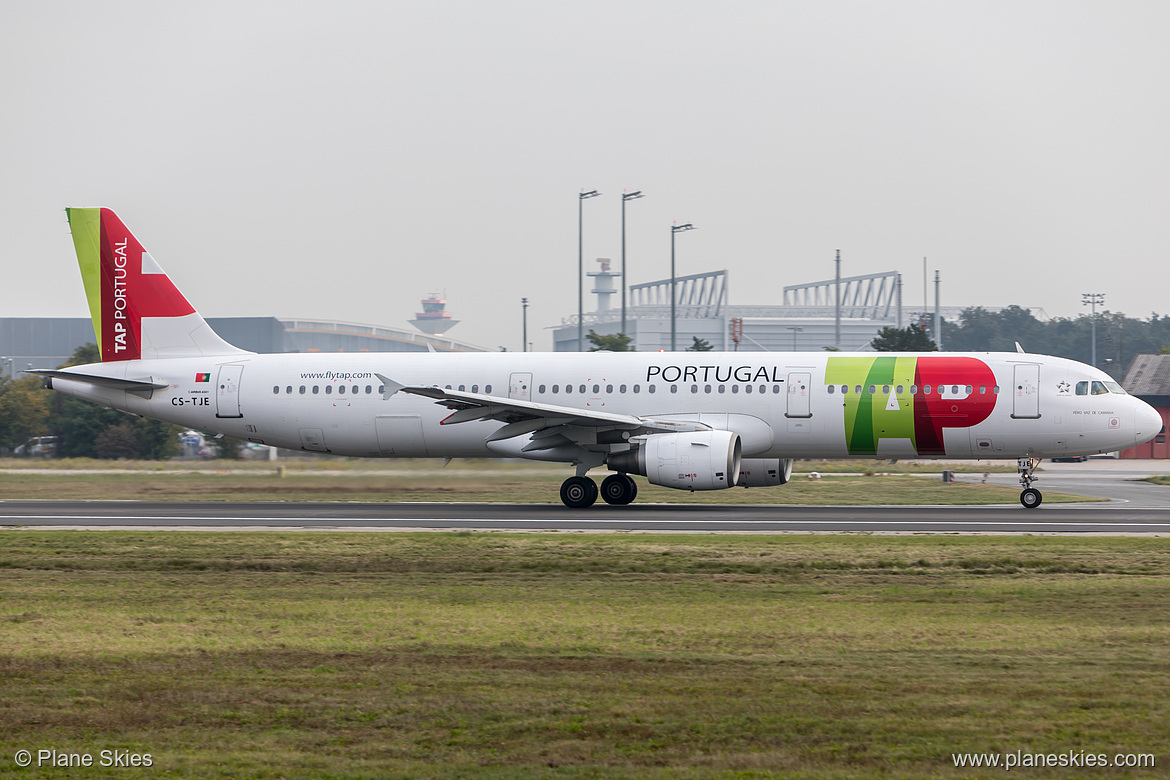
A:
1030, 497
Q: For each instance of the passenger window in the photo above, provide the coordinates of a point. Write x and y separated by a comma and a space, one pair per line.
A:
582, 388
968, 389
885, 389
649, 389
596, 389
982, 389
637, 388
832, 389
302, 389
369, 389
622, 389
734, 389
275, 389
954, 389
694, 388
926, 389
872, 389
568, 389
776, 389
844, 389
288, 390
609, 388
341, 389
722, 388
1099, 388
674, 388
540, 389
900, 389
995, 389
462, 388
316, 389
763, 389
328, 389
381, 389
475, 388
747, 388
487, 389
913, 389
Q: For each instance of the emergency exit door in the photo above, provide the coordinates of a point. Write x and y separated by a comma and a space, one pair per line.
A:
799, 391
520, 386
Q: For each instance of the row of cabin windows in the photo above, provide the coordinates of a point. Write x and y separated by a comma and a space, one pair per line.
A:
940, 389
316, 389
609, 389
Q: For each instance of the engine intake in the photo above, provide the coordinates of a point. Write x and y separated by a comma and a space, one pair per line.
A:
701, 460
764, 472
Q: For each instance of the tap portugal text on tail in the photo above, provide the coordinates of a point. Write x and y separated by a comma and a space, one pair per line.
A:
691, 421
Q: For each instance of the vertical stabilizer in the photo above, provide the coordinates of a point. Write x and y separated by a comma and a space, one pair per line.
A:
137, 311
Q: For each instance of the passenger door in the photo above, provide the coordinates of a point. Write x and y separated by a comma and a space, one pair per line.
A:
227, 392
1026, 391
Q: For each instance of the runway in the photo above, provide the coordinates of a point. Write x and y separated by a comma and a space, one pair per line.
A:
1112, 518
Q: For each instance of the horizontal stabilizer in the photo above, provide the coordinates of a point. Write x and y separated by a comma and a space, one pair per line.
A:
142, 386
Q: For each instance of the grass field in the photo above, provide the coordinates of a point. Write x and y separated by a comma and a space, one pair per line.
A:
262, 655
464, 481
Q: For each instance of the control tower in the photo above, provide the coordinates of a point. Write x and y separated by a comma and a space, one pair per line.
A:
434, 318
604, 287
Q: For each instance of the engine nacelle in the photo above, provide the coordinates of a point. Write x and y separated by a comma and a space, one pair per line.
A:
764, 472
702, 460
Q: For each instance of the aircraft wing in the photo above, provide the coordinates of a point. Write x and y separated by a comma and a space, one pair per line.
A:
546, 421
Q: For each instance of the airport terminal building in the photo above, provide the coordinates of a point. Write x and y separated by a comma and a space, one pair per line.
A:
47, 342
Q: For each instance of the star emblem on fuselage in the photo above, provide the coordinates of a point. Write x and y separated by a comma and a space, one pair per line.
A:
1063, 388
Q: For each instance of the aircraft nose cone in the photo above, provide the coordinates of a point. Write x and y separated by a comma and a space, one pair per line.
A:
1147, 422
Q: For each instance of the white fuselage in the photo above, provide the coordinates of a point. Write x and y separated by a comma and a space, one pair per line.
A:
783, 405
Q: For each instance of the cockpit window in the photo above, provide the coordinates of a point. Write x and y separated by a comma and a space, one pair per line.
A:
1115, 388
1099, 388
1082, 388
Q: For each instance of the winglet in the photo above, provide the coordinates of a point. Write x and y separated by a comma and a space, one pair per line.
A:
1019, 348
389, 386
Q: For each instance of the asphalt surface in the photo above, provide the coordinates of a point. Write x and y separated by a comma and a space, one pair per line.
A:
1112, 518
1134, 507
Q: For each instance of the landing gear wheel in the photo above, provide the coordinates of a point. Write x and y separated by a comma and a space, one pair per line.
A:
578, 492
1031, 498
619, 489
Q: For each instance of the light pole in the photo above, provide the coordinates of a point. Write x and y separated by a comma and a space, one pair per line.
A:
794, 330
1092, 300
581, 197
625, 196
524, 306
674, 231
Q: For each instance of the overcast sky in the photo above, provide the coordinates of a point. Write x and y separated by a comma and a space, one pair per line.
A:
344, 159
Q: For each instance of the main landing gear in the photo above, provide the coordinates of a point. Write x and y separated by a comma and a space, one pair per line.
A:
581, 492
1030, 497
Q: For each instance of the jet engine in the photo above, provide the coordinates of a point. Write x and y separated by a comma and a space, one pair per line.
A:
764, 472
701, 460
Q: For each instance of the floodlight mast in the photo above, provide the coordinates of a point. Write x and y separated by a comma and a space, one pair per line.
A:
1093, 300
625, 197
674, 231
581, 198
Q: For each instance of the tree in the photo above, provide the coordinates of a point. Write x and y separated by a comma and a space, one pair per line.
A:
24, 410
613, 342
911, 339
699, 345
82, 425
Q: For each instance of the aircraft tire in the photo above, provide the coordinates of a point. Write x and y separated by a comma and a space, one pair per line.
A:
1031, 498
619, 489
578, 492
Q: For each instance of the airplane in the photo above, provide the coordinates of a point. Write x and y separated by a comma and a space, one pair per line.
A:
683, 420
